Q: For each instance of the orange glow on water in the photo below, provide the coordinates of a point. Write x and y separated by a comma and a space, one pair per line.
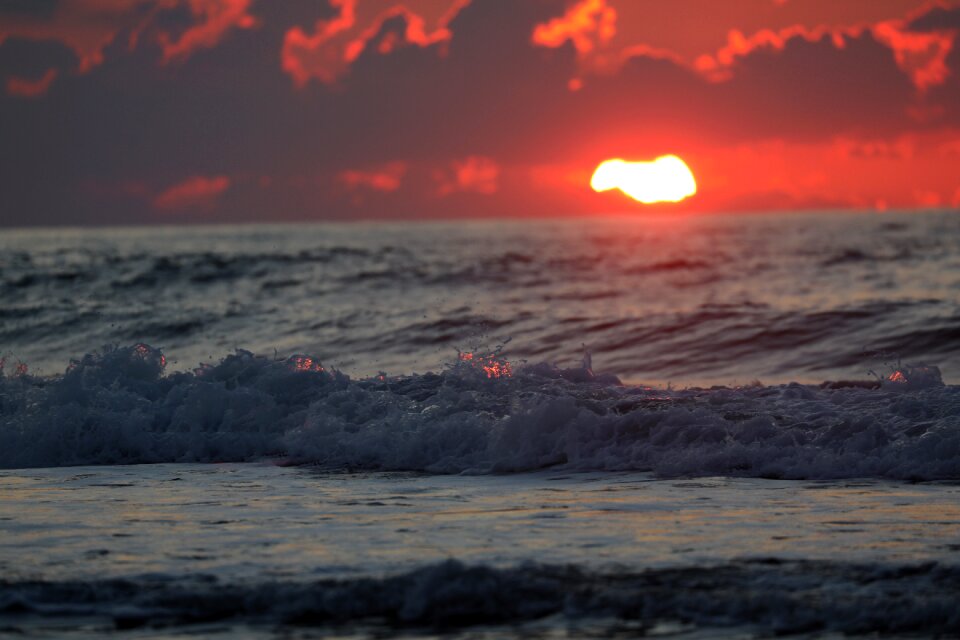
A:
304, 363
666, 179
897, 376
146, 352
498, 369
491, 365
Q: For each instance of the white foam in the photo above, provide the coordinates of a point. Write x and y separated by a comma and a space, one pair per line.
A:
116, 406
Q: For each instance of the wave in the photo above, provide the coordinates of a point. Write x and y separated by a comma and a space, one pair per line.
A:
479, 415
116, 271
852, 255
718, 300
768, 596
142, 270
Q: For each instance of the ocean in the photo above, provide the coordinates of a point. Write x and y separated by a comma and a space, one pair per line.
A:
687, 426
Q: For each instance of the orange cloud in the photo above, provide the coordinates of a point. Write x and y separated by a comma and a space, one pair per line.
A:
25, 88
587, 24
717, 66
922, 56
197, 192
718, 33
478, 174
386, 178
327, 53
214, 18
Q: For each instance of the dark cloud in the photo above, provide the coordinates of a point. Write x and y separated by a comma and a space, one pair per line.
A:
20, 57
32, 8
937, 19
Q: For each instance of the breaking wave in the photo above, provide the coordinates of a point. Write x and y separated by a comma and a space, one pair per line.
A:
768, 596
479, 415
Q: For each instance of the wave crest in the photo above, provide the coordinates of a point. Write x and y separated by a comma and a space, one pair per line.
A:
117, 406
771, 597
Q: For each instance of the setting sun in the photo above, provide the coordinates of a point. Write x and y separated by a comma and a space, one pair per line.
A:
666, 179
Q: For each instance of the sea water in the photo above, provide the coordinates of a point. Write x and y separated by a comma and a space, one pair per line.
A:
689, 300
683, 426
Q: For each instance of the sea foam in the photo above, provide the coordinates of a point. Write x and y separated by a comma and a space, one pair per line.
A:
117, 406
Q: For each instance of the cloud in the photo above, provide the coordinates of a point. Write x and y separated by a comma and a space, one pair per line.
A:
940, 16
712, 48
196, 192
85, 28
327, 52
587, 24
475, 174
27, 88
88, 28
386, 178
921, 55
213, 20
718, 66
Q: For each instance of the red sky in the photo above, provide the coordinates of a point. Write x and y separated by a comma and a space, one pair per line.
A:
119, 111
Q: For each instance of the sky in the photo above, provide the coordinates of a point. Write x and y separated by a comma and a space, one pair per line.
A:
147, 111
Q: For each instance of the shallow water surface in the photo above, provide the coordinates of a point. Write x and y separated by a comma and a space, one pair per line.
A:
247, 522
133, 532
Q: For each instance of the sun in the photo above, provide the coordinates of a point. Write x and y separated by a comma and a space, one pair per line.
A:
666, 179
